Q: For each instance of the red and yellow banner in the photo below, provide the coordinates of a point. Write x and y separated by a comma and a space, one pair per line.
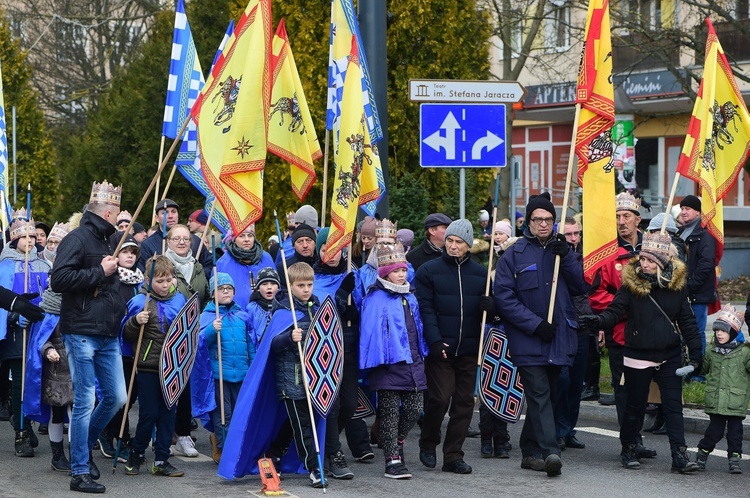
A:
291, 134
232, 117
593, 141
718, 138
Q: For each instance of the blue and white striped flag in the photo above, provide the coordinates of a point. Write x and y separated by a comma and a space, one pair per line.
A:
4, 156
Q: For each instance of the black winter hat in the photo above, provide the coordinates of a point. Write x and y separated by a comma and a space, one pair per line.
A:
541, 201
691, 201
267, 274
303, 231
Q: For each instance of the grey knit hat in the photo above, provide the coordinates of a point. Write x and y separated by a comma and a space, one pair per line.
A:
308, 215
462, 229
656, 222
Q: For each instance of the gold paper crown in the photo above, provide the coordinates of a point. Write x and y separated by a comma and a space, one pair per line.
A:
124, 216
389, 254
734, 318
386, 231
21, 225
656, 244
59, 230
290, 218
625, 201
105, 193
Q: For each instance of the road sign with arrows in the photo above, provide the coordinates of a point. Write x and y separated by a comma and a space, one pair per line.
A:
462, 135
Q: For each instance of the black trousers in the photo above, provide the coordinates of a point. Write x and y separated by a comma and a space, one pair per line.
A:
616, 366
342, 411
715, 431
184, 416
299, 428
594, 363
491, 426
450, 383
540, 388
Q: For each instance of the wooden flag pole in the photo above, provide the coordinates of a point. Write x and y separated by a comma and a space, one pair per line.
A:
169, 182
218, 347
158, 178
25, 291
566, 198
325, 183
487, 285
205, 231
669, 203
151, 185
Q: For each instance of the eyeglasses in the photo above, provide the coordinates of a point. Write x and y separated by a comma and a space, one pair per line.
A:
180, 239
225, 288
542, 221
53, 242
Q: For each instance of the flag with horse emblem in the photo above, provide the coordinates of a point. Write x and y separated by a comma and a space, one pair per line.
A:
291, 134
324, 357
500, 385
178, 355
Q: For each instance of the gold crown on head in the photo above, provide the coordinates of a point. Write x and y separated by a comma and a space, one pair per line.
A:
625, 201
290, 218
389, 254
21, 226
386, 231
657, 244
105, 193
124, 215
734, 318
59, 230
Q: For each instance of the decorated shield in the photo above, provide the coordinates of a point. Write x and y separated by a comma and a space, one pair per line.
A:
324, 356
178, 355
500, 387
364, 406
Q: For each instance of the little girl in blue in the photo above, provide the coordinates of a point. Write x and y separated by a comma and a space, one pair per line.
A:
237, 352
393, 348
242, 261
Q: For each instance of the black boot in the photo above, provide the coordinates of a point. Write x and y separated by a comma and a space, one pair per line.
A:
23, 444
60, 462
629, 457
32, 437
485, 448
502, 445
734, 463
681, 462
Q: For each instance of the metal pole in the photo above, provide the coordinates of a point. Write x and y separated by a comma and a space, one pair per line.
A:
372, 20
462, 194
15, 181
512, 211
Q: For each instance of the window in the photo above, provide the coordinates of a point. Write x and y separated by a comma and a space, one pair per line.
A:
741, 9
516, 33
557, 26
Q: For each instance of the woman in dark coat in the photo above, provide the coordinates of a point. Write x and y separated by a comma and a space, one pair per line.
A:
653, 296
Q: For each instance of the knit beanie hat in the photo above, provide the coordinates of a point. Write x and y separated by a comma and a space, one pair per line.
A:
368, 227
462, 229
657, 221
222, 278
541, 201
308, 215
406, 237
391, 257
484, 215
504, 227
625, 201
322, 238
303, 230
691, 201
267, 274
729, 320
655, 247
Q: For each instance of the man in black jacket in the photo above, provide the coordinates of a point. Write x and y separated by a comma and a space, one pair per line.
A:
434, 239
85, 273
450, 291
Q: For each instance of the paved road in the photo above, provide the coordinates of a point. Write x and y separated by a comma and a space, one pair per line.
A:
593, 471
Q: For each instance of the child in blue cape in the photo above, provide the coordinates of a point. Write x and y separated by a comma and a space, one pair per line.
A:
393, 348
237, 352
262, 303
163, 306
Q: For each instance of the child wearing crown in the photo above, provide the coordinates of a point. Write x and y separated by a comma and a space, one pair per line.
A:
727, 368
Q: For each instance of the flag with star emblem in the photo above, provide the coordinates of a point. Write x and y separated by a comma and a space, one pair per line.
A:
231, 114
291, 134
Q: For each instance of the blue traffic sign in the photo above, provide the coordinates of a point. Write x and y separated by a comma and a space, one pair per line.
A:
462, 135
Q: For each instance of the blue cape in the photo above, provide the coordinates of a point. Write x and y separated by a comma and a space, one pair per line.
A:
241, 275
366, 277
33, 407
259, 414
12, 276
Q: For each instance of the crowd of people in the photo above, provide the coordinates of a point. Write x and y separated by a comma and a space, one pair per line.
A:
92, 325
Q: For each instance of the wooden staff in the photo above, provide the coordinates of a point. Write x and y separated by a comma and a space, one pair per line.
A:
301, 359
169, 181
487, 286
25, 291
218, 347
325, 184
151, 185
205, 232
158, 178
571, 161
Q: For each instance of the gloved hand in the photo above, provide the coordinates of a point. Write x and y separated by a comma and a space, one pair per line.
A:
545, 331
686, 370
560, 246
23, 305
347, 285
437, 350
23, 322
588, 321
487, 303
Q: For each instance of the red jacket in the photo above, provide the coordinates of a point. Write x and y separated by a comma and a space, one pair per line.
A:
609, 279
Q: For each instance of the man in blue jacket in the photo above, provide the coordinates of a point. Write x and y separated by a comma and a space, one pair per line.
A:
523, 281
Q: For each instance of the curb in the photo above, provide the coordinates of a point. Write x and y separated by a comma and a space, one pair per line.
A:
696, 421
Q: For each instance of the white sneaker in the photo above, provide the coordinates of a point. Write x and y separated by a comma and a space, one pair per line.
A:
185, 447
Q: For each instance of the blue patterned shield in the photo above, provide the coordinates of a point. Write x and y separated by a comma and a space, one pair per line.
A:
324, 356
178, 355
500, 387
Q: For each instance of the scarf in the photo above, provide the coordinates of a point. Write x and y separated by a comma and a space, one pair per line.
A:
432, 246
324, 269
248, 257
51, 302
725, 348
130, 277
184, 264
688, 228
653, 278
395, 288
49, 255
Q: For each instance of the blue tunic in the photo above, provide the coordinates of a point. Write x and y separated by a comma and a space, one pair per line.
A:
241, 275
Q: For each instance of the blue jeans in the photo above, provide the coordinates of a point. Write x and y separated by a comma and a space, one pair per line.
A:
701, 317
93, 359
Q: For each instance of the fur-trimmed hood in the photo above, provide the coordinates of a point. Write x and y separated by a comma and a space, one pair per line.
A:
642, 288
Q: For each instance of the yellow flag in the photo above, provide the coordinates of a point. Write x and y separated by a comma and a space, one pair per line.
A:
717, 143
291, 134
231, 115
354, 161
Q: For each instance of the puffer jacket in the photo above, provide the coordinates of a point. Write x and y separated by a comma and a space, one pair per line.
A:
89, 303
727, 381
55, 373
237, 348
701, 266
163, 312
448, 290
649, 334
522, 289
289, 382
